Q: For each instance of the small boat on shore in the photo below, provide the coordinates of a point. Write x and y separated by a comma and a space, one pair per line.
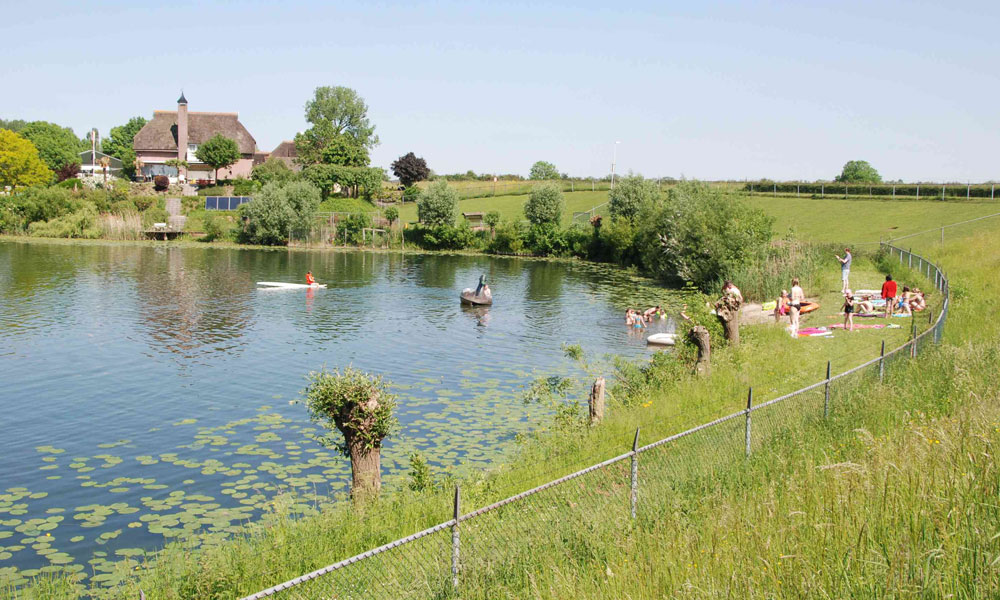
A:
469, 297
280, 285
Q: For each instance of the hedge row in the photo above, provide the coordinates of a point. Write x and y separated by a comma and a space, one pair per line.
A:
922, 190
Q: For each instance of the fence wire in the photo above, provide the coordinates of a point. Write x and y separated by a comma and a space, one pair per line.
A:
561, 518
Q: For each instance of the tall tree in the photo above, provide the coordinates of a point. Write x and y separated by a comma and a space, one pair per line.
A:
218, 152
858, 171
20, 164
334, 111
410, 169
344, 152
544, 170
119, 144
56, 145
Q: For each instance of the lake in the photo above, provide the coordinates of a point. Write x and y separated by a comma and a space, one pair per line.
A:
146, 391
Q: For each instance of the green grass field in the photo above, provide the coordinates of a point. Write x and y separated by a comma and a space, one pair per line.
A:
511, 207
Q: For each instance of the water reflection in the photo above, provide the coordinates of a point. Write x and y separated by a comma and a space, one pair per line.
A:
481, 314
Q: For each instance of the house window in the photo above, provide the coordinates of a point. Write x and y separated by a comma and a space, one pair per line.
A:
192, 150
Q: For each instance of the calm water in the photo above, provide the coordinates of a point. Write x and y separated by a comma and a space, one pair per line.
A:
146, 391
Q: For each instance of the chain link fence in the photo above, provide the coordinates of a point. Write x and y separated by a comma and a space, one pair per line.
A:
473, 549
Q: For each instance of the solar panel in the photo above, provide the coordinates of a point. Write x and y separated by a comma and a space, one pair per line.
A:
211, 202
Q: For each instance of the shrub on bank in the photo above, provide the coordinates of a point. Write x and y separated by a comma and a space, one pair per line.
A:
278, 211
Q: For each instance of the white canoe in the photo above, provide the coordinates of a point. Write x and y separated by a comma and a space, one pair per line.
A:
289, 286
662, 339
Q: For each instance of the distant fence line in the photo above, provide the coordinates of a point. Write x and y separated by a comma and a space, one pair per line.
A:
469, 546
927, 191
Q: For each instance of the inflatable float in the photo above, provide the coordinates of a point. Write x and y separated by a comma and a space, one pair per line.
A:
808, 307
662, 339
469, 297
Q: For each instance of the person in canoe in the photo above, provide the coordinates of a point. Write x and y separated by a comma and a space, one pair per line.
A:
309, 278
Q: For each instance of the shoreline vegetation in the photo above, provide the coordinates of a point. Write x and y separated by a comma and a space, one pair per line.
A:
643, 396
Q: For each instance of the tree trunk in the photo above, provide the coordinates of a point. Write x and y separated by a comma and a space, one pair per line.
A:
597, 401
366, 470
728, 311
699, 335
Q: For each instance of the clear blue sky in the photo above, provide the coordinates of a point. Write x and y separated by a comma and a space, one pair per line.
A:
706, 90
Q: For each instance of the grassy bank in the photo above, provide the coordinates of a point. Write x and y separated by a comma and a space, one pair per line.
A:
511, 207
279, 547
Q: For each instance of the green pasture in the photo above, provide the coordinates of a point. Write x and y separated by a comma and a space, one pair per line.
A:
511, 207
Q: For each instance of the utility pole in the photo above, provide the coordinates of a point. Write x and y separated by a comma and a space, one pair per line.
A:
614, 159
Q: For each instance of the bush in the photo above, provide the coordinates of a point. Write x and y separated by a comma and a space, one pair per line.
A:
161, 183
31, 205
702, 235
154, 215
81, 223
438, 205
411, 194
351, 227
144, 203
545, 205
273, 170
122, 207
245, 187
278, 210
492, 219
632, 195
614, 241
215, 227
442, 237
69, 184
508, 238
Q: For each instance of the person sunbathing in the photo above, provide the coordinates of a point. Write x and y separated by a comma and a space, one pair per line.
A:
866, 306
903, 305
917, 301
781, 306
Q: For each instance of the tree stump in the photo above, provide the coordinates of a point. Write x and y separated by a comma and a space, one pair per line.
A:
597, 401
728, 311
699, 335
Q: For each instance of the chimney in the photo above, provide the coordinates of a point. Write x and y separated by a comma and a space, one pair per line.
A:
182, 127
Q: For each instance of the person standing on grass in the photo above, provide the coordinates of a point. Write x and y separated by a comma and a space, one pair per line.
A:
849, 311
797, 297
845, 268
889, 295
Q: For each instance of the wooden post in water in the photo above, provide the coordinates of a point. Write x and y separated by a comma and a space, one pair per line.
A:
597, 401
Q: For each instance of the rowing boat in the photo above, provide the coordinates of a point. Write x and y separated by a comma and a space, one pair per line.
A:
289, 286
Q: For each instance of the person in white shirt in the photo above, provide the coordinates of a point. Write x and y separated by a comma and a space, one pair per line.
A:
845, 268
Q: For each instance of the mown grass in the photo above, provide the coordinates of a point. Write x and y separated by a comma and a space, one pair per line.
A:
512, 207
280, 546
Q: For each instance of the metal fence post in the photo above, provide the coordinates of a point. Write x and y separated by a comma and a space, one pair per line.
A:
942, 235
749, 405
454, 539
881, 363
635, 472
909, 258
826, 392
913, 336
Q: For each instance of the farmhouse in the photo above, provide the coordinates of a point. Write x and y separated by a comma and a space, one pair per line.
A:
176, 135
285, 152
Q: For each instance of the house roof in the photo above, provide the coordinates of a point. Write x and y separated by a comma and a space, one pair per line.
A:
160, 133
285, 149
472, 214
85, 161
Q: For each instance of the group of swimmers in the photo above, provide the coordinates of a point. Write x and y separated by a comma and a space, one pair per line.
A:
638, 320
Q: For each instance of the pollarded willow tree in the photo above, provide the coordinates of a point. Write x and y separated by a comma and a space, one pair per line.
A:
359, 406
545, 205
438, 204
